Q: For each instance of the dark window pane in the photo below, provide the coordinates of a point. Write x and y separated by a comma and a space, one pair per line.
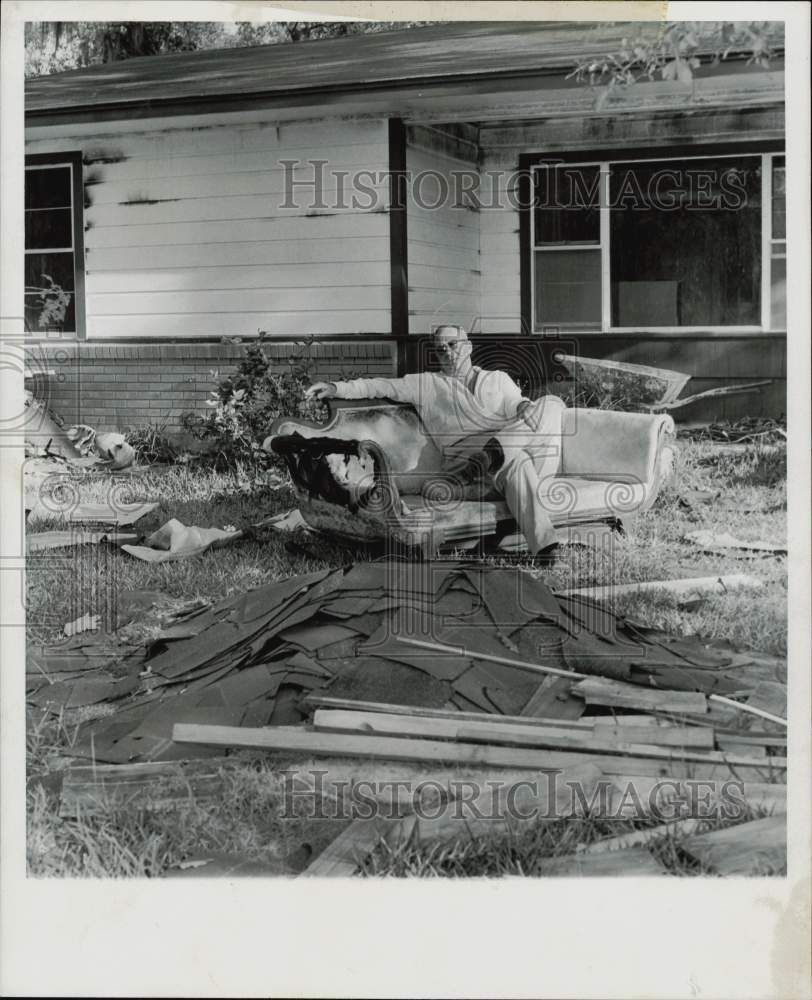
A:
567, 205
48, 230
48, 187
58, 265
45, 309
778, 295
685, 241
568, 288
779, 198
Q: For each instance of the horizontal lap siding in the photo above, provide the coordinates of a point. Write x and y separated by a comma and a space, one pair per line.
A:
499, 252
443, 241
188, 233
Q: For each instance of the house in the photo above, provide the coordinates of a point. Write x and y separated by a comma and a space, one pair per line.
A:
361, 189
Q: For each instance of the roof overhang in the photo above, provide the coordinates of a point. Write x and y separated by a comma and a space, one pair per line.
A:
402, 73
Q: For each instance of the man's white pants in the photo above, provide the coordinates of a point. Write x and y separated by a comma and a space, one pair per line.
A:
532, 457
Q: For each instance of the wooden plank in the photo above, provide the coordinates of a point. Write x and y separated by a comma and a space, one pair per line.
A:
272, 300
658, 735
497, 732
640, 838
424, 253
500, 807
157, 280
631, 862
538, 668
746, 849
319, 699
228, 209
554, 698
295, 138
348, 224
241, 253
165, 180
300, 740
346, 853
278, 324
633, 789
276, 189
443, 235
748, 709
434, 277
691, 585
97, 789
599, 691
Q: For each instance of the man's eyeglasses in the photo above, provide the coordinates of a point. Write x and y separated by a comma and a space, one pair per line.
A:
448, 348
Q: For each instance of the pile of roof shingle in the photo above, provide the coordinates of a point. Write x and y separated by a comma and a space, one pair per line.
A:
248, 660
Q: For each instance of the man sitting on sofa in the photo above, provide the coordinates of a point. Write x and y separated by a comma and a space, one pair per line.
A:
482, 424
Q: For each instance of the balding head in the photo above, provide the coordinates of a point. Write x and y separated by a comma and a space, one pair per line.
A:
453, 348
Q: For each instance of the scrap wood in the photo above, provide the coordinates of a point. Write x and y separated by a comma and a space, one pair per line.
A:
663, 732
710, 541
500, 807
771, 698
353, 845
691, 585
88, 790
553, 697
675, 795
42, 541
640, 838
749, 709
224, 864
498, 733
745, 849
299, 740
456, 821
119, 515
749, 737
597, 691
323, 699
506, 661
630, 862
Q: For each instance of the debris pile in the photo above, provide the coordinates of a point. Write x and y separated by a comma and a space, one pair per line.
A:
447, 664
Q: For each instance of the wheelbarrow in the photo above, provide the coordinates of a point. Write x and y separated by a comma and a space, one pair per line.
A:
651, 389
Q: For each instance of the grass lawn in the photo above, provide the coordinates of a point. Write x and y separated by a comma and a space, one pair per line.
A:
64, 584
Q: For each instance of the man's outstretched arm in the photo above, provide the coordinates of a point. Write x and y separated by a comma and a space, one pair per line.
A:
402, 390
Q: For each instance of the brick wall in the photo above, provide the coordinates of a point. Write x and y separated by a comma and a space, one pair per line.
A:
122, 386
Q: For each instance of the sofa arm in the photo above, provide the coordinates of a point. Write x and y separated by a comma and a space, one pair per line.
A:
611, 445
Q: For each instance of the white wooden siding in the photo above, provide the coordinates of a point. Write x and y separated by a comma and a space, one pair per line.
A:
187, 235
499, 253
443, 244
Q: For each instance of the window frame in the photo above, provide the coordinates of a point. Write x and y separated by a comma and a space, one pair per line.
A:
72, 159
604, 159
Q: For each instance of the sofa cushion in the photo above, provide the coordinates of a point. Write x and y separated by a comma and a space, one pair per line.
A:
566, 499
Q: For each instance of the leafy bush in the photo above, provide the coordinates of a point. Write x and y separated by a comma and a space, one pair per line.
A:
153, 445
248, 400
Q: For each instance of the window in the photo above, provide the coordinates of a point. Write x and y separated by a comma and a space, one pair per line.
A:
54, 254
696, 243
778, 244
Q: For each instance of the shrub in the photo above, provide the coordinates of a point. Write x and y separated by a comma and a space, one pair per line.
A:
248, 400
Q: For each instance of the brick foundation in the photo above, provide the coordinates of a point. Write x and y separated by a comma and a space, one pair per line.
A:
124, 386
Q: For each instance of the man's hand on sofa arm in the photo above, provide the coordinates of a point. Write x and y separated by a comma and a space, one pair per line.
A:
321, 390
